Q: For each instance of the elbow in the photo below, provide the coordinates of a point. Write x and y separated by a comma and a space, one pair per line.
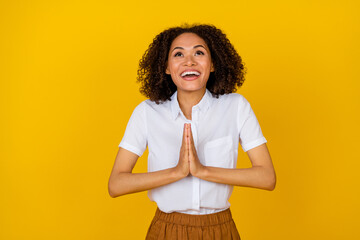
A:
116, 189
270, 186
111, 191
112, 195
270, 182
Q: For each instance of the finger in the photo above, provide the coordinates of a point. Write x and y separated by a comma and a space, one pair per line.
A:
191, 136
184, 135
187, 137
192, 144
188, 133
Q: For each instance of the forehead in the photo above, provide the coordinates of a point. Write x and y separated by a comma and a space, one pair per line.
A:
187, 40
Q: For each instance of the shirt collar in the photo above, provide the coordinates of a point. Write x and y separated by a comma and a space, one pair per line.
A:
203, 105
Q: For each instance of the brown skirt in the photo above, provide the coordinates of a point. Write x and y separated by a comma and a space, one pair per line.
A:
181, 226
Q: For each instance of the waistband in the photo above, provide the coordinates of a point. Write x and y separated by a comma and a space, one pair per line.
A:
194, 220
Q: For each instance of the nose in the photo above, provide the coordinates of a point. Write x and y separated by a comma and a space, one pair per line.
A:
189, 61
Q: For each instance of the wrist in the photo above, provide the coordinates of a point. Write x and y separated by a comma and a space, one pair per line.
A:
177, 174
202, 171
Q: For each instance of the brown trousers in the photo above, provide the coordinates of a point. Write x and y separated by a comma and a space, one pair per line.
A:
180, 226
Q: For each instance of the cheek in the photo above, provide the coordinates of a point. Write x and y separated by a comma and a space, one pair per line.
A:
174, 68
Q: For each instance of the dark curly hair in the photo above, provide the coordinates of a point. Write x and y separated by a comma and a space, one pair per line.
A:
159, 87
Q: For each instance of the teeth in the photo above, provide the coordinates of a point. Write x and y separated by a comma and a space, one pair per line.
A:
190, 72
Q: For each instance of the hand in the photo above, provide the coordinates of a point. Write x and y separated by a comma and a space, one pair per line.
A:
183, 166
196, 168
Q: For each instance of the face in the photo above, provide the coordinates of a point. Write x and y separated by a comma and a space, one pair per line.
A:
189, 63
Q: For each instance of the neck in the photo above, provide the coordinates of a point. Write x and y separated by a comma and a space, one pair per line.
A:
189, 99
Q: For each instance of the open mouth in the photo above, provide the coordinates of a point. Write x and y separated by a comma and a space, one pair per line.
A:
190, 75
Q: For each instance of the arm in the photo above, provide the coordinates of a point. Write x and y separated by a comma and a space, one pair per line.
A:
260, 175
122, 181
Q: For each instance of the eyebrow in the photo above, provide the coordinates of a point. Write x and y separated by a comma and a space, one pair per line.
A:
193, 47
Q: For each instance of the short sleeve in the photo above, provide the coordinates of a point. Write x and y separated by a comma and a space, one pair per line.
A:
135, 137
250, 133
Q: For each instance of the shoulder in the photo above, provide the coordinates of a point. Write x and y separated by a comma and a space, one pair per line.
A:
232, 98
148, 103
235, 102
140, 107
147, 107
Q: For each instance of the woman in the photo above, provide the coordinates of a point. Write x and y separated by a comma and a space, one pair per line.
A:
192, 124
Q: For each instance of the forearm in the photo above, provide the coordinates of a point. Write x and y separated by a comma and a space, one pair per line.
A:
256, 177
125, 183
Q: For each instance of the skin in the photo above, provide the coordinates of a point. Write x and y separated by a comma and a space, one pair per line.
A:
261, 175
189, 51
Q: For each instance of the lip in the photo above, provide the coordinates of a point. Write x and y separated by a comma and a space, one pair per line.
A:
190, 78
192, 70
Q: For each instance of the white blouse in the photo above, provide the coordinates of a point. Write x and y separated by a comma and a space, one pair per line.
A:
218, 126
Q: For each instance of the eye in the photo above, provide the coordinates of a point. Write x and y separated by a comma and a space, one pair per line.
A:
177, 54
199, 52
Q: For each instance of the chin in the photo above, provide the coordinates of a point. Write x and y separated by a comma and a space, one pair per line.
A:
191, 87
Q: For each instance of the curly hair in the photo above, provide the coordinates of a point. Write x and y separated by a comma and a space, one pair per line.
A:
159, 87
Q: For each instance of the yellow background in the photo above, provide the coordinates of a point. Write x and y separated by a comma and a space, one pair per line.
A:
68, 87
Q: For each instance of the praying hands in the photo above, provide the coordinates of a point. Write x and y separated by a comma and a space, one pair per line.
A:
189, 162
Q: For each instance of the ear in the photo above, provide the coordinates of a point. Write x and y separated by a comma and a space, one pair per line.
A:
167, 71
212, 68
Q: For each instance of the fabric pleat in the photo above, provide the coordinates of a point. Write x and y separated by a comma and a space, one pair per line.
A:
180, 226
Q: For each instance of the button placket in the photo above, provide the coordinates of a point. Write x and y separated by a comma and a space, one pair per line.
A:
196, 181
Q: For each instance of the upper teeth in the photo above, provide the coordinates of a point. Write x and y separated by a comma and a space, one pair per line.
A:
190, 72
